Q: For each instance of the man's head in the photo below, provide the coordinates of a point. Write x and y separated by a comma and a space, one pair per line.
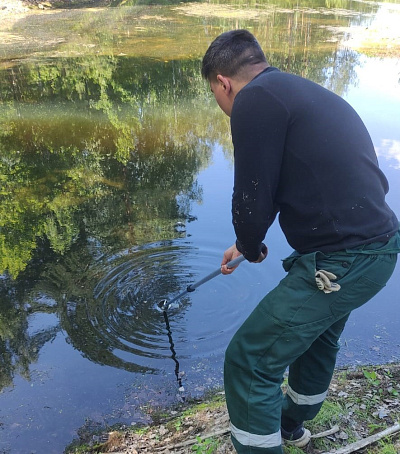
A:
232, 60
232, 54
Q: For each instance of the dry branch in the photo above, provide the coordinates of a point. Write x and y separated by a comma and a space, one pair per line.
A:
366, 441
219, 433
325, 433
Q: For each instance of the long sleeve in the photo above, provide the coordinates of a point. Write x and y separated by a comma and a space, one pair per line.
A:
259, 125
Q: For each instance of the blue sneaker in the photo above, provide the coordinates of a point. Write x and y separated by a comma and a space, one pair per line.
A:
298, 437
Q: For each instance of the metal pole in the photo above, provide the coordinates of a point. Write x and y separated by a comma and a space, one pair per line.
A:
164, 304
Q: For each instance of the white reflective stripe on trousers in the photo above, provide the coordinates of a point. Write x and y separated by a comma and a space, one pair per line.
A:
257, 441
301, 399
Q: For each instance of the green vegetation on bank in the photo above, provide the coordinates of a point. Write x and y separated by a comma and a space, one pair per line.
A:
362, 402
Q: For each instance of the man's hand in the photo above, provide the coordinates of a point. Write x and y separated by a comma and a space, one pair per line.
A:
232, 252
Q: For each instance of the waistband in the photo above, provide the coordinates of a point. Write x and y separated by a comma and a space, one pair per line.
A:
390, 247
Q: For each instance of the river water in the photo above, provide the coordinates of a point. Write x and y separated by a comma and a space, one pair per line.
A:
116, 178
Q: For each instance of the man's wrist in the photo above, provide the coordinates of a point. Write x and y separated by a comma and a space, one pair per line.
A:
251, 255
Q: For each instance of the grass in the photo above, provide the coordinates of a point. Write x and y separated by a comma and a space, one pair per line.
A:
362, 402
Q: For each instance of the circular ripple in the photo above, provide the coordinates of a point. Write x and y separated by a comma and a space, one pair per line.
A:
122, 325
127, 316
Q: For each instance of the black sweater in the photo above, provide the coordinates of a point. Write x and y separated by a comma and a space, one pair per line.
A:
303, 151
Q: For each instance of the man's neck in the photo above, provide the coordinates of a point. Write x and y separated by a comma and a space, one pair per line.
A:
247, 76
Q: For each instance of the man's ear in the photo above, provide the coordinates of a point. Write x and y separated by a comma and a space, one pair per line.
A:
225, 83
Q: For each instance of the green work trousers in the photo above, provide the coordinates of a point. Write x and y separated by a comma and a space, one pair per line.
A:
299, 326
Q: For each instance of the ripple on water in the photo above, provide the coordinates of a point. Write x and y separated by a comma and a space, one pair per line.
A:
127, 316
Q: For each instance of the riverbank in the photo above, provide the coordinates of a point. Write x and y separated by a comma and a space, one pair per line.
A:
15, 8
12, 7
26, 5
362, 402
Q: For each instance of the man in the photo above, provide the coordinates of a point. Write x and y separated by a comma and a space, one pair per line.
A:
303, 152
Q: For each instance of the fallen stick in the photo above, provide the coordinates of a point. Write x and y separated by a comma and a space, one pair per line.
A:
193, 441
325, 433
219, 433
366, 441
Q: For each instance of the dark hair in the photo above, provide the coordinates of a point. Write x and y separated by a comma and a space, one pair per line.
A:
230, 52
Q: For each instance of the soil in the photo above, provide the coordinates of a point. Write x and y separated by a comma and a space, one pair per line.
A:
12, 7
21, 7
